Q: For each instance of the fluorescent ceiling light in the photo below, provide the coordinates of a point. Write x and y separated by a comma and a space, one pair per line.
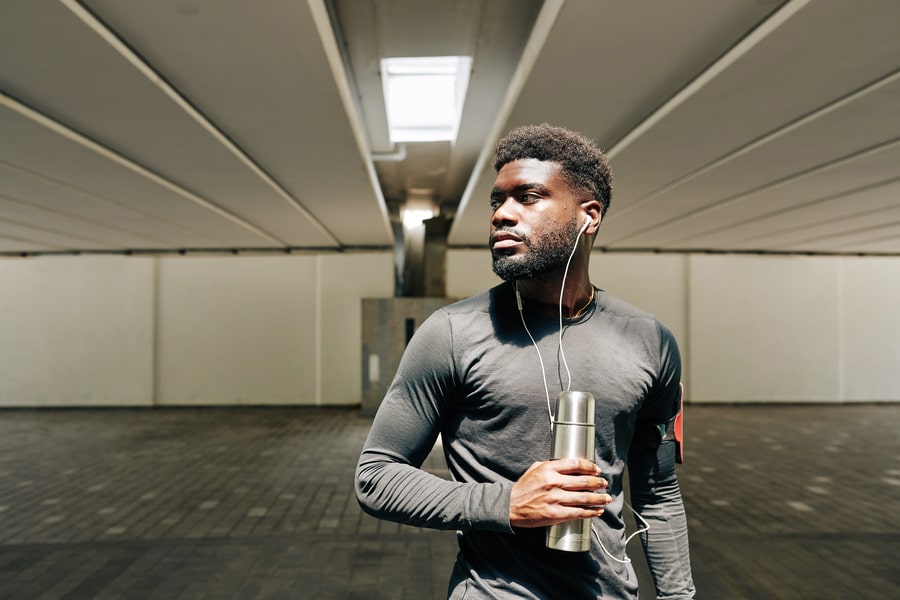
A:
424, 96
413, 217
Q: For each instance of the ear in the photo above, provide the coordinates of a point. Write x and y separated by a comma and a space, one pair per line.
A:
593, 211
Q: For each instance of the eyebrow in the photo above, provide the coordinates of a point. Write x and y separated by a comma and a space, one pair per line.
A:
524, 187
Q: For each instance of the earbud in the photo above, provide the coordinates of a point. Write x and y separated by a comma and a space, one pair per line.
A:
587, 221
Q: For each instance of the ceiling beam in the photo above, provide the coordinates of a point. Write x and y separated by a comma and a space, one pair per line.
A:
323, 24
147, 71
543, 25
775, 20
768, 187
762, 140
85, 142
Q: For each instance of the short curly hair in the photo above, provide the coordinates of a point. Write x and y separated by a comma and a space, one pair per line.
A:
583, 164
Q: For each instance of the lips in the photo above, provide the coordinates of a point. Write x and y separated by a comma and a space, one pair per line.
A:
503, 239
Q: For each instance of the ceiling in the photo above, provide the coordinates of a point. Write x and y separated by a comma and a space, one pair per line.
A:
232, 125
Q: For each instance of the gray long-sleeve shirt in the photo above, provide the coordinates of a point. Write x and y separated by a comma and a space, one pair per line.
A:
472, 374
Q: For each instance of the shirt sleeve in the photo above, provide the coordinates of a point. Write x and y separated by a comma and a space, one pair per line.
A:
390, 483
664, 400
655, 493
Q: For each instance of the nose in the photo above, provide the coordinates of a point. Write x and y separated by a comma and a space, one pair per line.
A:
505, 214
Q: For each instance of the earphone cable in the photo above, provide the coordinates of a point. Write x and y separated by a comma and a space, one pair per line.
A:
540, 358
562, 290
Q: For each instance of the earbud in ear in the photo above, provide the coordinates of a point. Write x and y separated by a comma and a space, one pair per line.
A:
587, 221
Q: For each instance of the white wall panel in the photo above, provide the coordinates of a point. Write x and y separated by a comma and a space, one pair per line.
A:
238, 330
345, 280
93, 330
76, 331
870, 328
469, 272
763, 328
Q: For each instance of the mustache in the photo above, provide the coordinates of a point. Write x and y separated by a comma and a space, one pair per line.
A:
506, 233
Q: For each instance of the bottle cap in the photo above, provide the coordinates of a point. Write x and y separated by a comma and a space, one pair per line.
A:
575, 407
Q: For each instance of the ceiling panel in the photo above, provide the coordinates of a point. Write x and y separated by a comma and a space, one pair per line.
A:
747, 221
822, 143
32, 147
848, 239
13, 246
47, 235
887, 245
64, 198
869, 207
180, 125
773, 116
792, 71
604, 67
262, 76
111, 237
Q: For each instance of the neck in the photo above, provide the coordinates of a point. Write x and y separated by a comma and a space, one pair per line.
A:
543, 295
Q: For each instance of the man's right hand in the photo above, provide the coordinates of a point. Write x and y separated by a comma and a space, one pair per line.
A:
557, 491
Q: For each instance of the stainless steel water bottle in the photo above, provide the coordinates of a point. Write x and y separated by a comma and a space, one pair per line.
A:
573, 437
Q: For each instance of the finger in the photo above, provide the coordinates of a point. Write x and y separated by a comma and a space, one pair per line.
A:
583, 482
575, 466
586, 500
590, 512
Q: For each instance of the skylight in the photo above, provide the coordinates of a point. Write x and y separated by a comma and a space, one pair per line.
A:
424, 96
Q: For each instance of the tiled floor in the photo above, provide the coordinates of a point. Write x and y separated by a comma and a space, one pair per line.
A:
788, 502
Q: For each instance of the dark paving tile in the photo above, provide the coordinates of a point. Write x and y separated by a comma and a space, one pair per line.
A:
785, 502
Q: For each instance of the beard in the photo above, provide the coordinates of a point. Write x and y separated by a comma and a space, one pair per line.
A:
544, 254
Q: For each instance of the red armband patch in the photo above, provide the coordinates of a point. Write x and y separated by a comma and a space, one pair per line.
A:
679, 436
674, 430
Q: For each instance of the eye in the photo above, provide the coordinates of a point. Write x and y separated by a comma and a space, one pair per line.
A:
529, 197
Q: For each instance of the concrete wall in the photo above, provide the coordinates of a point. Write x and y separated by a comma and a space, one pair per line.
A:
134, 331
76, 331
236, 331
869, 337
138, 331
764, 328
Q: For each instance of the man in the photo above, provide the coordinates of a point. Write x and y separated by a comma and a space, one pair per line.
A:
481, 373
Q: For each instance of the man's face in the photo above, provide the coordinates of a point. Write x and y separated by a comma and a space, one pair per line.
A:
535, 220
